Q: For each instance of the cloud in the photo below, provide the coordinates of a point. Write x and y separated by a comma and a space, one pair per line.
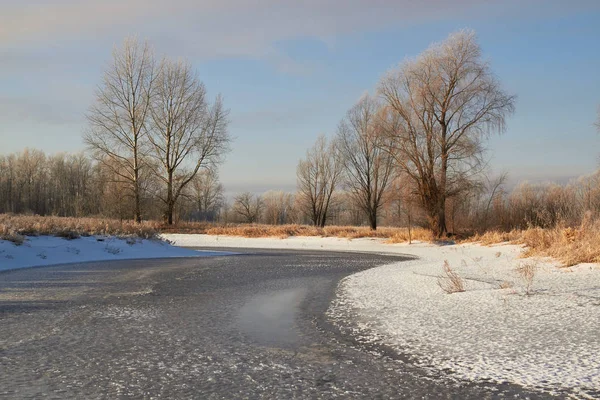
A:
222, 28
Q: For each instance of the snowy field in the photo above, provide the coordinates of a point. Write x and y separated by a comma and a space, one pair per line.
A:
493, 331
47, 250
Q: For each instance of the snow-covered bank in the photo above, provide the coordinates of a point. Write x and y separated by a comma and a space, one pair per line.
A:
546, 339
47, 250
292, 243
493, 330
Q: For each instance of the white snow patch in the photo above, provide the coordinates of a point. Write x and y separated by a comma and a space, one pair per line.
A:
548, 339
49, 250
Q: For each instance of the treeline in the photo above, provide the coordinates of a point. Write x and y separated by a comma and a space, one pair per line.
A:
75, 185
492, 205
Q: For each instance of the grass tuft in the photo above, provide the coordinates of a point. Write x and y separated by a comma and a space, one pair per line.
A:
450, 281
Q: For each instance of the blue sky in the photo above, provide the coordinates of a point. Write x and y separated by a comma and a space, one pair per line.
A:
289, 71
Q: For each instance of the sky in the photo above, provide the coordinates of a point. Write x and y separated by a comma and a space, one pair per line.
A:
289, 71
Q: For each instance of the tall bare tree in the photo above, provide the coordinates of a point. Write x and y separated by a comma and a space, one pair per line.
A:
186, 133
318, 177
369, 168
442, 106
119, 115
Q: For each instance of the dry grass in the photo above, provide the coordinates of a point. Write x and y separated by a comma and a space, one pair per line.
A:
495, 237
71, 228
527, 271
392, 235
13, 226
7, 233
450, 281
505, 285
568, 245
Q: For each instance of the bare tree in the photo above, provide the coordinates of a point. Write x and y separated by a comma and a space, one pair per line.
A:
207, 193
318, 177
495, 189
442, 105
278, 207
369, 168
404, 196
248, 207
186, 133
118, 118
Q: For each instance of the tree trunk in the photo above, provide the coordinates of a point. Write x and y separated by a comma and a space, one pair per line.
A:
409, 228
170, 203
136, 180
440, 229
322, 220
373, 220
138, 211
169, 218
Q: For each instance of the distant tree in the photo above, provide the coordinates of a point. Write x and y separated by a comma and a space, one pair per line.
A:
115, 197
494, 189
442, 105
207, 194
369, 168
404, 197
278, 207
186, 133
318, 176
248, 207
118, 118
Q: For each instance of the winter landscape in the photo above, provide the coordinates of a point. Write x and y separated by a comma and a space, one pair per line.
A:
350, 200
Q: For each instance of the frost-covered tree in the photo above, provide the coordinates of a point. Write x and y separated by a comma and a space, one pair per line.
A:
118, 118
442, 106
186, 133
318, 176
369, 167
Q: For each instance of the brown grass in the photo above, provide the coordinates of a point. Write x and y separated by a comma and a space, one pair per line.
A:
393, 235
495, 237
71, 228
7, 233
570, 246
505, 285
13, 226
527, 271
450, 281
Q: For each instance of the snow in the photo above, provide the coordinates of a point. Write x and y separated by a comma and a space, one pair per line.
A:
547, 339
49, 250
